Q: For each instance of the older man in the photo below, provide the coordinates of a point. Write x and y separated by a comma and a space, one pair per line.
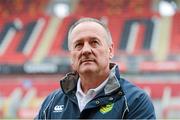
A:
95, 89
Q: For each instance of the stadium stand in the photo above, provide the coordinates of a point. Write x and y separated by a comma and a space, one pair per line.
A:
174, 41
33, 50
170, 104
29, 40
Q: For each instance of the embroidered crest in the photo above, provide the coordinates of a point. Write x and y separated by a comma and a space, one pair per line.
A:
106, 108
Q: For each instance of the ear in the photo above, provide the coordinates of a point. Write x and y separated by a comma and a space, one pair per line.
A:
71, 62
111, 51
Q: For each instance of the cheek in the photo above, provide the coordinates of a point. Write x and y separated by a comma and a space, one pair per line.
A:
104, 53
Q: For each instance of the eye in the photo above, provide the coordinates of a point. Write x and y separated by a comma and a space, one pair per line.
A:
78, 45
94, 43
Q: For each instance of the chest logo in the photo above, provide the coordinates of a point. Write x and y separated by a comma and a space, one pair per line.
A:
106, 108
58, 108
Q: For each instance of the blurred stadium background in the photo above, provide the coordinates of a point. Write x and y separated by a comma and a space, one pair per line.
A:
34, 56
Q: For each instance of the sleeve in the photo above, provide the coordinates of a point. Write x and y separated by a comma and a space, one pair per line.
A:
42, 114
43, 111
141, 108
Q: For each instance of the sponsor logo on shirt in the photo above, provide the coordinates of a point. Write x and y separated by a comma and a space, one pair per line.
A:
58, 108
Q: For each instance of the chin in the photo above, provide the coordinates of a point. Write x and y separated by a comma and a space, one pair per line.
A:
88, 70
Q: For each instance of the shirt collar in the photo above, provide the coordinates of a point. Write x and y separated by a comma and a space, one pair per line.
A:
94, 91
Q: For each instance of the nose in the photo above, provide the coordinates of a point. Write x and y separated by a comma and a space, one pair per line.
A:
86, 50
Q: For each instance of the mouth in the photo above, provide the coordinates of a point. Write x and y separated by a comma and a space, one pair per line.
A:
87, 61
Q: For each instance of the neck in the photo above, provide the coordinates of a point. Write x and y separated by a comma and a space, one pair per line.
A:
90, 81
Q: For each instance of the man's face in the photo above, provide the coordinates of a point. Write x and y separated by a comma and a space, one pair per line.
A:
90, 52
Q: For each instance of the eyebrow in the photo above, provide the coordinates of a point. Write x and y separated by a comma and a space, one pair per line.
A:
77, 41
91, 38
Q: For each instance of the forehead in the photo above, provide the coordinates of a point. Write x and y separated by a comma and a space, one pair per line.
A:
88, 29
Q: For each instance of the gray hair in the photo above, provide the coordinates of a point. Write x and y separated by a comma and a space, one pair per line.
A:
109, 38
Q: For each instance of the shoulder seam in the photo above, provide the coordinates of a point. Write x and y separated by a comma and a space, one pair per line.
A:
127, 108
50, 102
